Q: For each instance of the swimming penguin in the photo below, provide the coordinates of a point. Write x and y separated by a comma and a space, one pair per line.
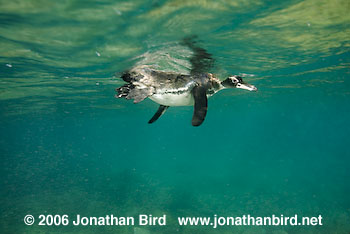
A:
173, 89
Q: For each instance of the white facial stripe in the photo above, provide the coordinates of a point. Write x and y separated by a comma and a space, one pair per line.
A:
234, 79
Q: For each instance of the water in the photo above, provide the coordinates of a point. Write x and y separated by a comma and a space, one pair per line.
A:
69, 147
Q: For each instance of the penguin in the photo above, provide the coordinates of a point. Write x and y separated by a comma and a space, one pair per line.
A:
170, 89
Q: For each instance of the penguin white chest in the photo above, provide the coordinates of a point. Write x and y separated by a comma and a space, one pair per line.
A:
173, 99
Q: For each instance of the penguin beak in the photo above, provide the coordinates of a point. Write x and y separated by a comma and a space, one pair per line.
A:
246, 86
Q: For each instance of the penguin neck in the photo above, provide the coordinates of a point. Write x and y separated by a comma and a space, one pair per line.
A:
217, 87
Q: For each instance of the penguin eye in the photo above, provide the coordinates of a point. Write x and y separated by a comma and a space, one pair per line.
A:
235, 80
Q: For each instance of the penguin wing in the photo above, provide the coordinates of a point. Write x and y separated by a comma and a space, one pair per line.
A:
200, 105
201, 60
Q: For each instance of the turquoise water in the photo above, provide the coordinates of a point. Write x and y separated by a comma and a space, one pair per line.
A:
68, 146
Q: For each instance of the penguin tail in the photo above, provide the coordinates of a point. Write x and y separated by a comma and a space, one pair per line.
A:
124, 91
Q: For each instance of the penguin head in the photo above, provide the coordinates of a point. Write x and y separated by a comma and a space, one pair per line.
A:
237, 82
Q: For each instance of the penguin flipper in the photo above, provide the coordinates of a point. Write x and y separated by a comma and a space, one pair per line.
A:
200, 105
159, 113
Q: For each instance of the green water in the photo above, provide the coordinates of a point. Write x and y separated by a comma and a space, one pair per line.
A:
67, 146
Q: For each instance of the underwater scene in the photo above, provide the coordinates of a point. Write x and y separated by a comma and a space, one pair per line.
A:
69, 148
